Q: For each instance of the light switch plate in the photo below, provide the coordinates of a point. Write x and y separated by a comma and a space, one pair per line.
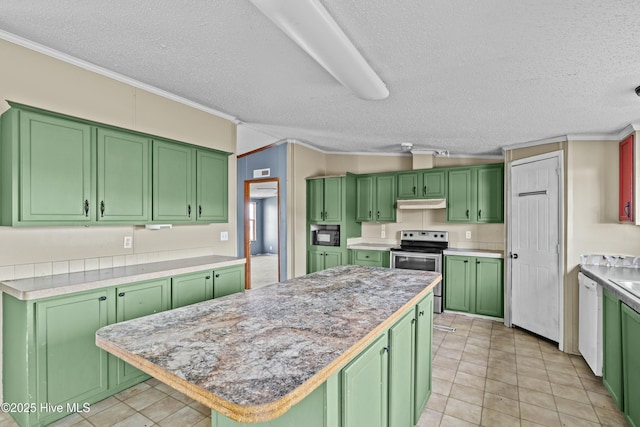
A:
224, 235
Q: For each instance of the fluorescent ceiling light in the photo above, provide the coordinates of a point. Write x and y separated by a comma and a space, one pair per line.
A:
309, 24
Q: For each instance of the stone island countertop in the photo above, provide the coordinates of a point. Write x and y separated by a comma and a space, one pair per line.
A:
61, 284
252, 356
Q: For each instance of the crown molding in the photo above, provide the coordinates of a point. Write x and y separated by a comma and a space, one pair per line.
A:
20, 41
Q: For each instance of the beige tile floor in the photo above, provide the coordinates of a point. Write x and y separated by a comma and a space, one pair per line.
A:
483, 374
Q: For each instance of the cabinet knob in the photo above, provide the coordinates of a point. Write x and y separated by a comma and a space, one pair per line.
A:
477, 262
102, 298
208, 277
421, 313
366, 256
466, 261
387, 349
218, 275
121, 294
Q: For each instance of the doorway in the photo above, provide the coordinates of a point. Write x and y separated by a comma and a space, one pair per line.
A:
262, 232
535, 245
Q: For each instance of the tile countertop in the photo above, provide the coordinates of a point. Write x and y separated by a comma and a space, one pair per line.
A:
604, 275
486, 253
61, 284
251, 356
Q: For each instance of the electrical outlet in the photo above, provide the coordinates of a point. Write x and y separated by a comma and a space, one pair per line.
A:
467, 235
383, 231
224, 235
128, 242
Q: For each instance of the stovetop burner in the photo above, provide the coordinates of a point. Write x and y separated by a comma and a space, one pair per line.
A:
423, 241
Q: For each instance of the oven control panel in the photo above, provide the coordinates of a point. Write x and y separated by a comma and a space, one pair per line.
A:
427, 236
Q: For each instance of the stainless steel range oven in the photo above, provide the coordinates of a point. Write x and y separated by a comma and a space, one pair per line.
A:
422, 250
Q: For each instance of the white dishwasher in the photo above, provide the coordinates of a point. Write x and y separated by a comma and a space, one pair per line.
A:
590, 323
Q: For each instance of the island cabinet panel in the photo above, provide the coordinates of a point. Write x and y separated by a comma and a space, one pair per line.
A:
56, 173
191, 288
612, 347
227, 281
124, 190
423, 355
133, 301
401, 370
70, 367
630, 322
364, 387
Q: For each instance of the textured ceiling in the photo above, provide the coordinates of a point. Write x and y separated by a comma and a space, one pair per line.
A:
466, 76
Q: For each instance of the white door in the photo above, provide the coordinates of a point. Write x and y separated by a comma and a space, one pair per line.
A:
534, 256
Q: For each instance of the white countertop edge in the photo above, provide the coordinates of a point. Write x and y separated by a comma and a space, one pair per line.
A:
51, 286
485, 253
372, 246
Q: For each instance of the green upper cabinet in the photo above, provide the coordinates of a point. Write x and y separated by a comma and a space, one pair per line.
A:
376, 198
324, 200
189, 184
55, 181
60, 170
476, 194
124, 191
212, 186
422, 184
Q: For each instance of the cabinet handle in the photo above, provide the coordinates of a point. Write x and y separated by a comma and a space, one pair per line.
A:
102, 298
421, 313
121, 294
218, 275
208, 277
467, 213
479, 213
369, 214
378, 214
86, 208
414, 190
627, 209
366, 256
199, 210
387, 349
477, 262
321, 215
189, 210
466, 261
424, 190
102, 208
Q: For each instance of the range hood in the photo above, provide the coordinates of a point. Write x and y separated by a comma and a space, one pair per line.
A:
422, 204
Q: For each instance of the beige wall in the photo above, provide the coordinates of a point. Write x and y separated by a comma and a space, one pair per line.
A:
35, 79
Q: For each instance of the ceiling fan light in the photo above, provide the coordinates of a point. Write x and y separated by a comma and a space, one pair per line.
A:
309, 24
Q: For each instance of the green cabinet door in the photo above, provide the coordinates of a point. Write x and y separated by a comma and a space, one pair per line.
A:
333, 199
191, 288
227, 281
133, 301
365, 198
401, 372
408, 185
212, 186
124, 192
459, 196
434, 184
630, 321
370, 258
457, 271
315, 200
56, 172
490, 194
423, 345
489, 293
173, 182
332, 258
315, 261
385, 198
364, 388
71, 368
612, 347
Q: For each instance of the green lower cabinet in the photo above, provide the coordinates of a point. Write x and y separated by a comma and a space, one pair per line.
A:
423, 355
474, 285
227, 281
364, 387
191, 288
401, 370
133, 301
370, 258
320, 259
612, 347
630, 322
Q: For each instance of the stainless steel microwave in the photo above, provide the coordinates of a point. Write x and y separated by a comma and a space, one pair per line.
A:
326, 238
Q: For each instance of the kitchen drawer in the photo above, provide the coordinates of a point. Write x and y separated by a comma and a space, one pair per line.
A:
368, 256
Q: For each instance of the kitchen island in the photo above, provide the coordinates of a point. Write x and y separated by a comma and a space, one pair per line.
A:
251, 357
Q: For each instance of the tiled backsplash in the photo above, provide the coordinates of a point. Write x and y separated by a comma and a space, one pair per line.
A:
23, 271
610, 260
